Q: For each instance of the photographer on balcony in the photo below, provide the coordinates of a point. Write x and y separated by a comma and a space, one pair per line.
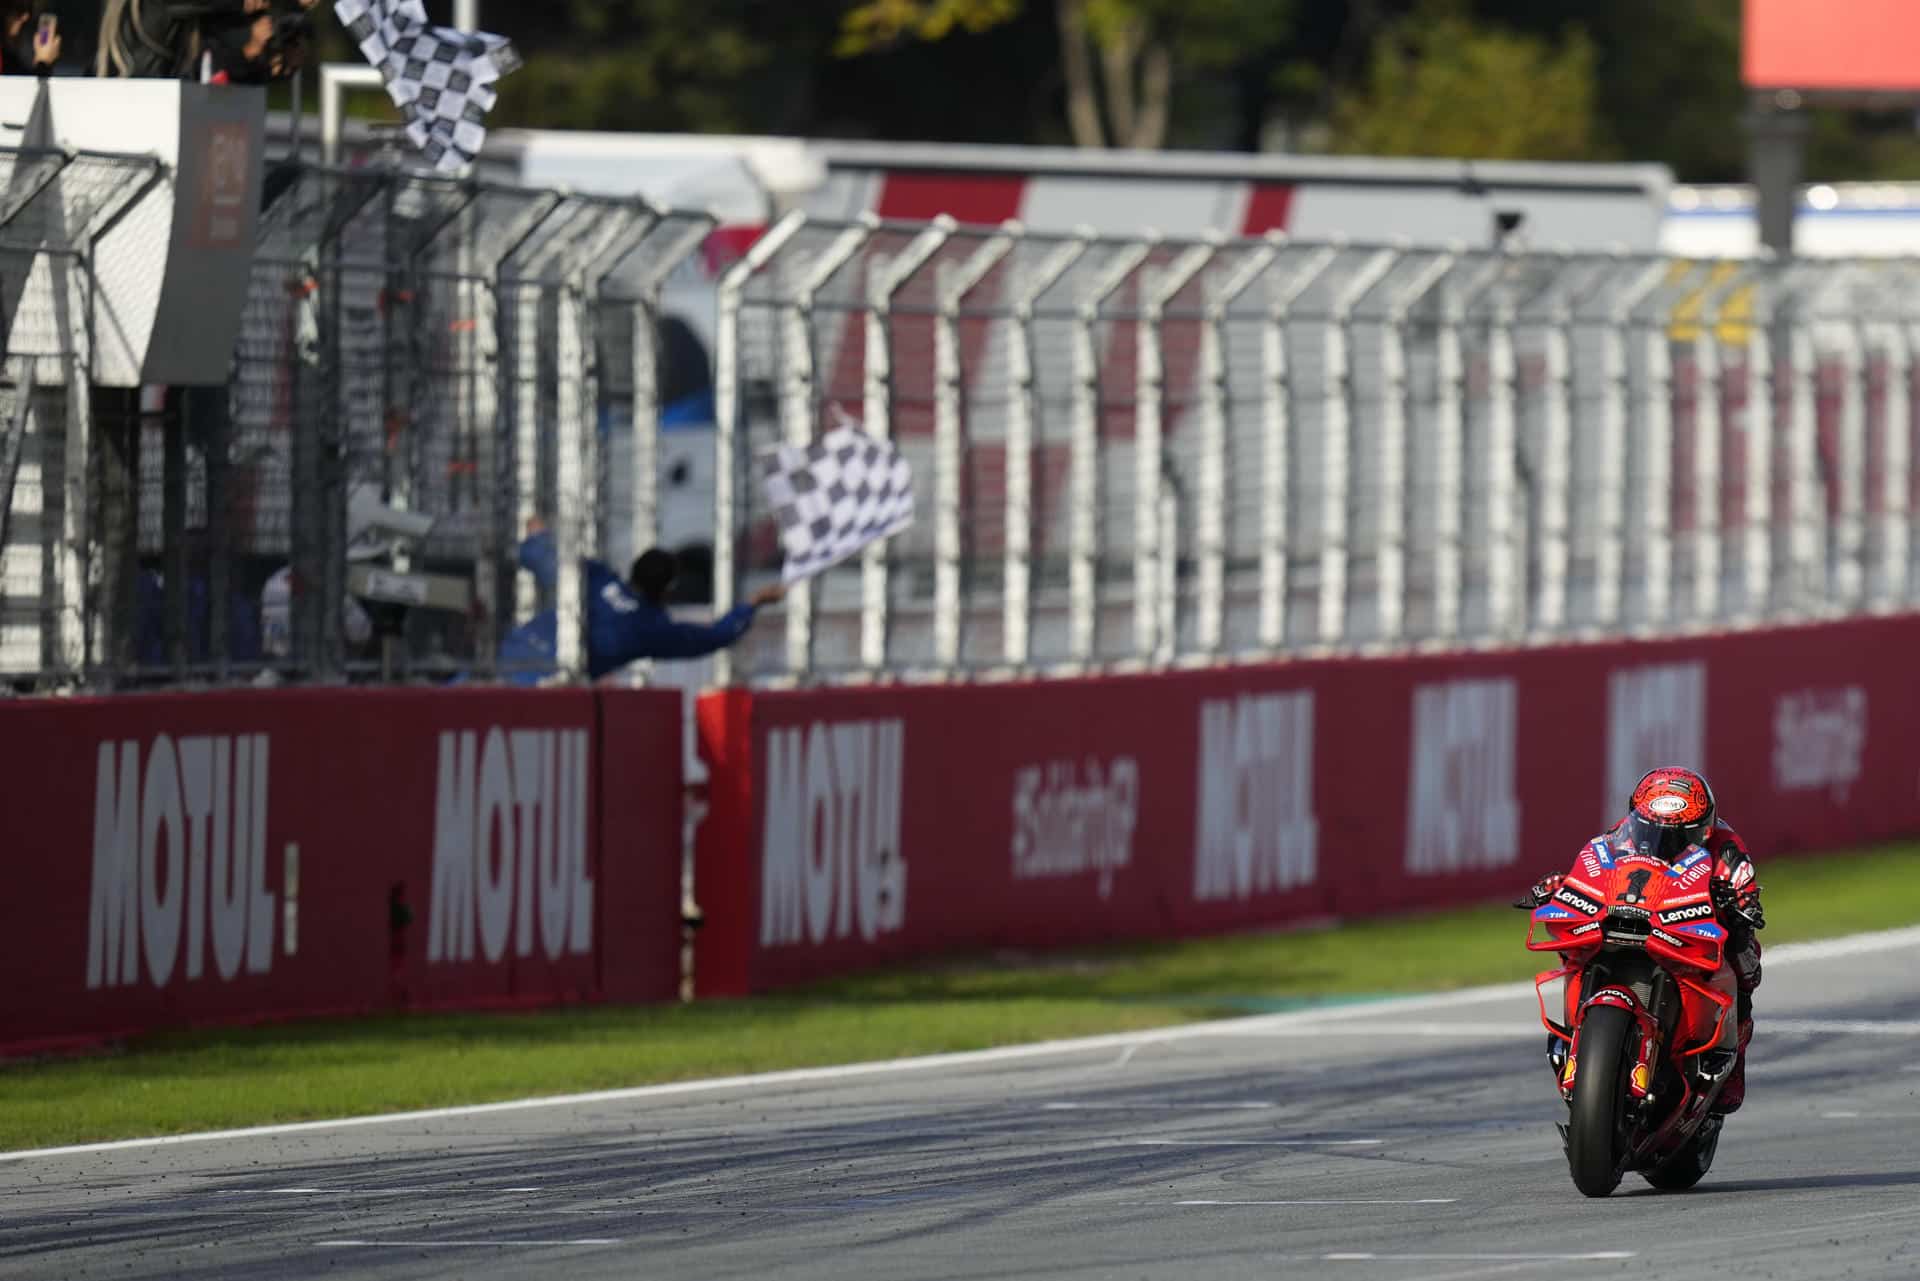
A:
227, 41
29, 45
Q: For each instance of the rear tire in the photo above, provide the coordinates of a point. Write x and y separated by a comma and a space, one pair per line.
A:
1690, 1164
1593, 1132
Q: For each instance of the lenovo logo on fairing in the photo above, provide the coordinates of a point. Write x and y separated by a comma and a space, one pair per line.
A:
1257, 833
180, 861
510, 845
1462, 812
1655, 716
831, 862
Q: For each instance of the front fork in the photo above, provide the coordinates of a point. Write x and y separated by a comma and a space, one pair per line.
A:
1564, 1057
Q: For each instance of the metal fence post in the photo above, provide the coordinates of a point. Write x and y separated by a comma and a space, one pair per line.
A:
1390, 568
1276, 459
1846, 589
797, 409
885, 280
573, 493
173, 533
729, 423
1210, 516
1150, 531
1652, 526
1022, 414
577, 498
1806, 566
1709, 448
1897, 459
1756, 560
646, 378
1083, 543
1166, 592
1449, 475
1617, 390
1337, 455
949, 390
1506, 612
496, 410
1556, 455
1498, 456
1708, 418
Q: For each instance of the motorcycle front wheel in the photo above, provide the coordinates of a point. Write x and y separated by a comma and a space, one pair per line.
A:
1594, 1146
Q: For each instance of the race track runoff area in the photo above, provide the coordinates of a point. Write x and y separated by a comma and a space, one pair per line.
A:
1401, 1140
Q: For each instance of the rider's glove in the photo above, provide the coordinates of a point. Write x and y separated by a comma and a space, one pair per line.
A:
1742, 905
1543, 889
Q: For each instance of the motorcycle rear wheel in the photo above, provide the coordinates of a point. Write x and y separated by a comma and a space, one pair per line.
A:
1690, 1164
1594, 1131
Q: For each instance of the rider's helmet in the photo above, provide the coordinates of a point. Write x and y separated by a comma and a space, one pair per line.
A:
1672, 811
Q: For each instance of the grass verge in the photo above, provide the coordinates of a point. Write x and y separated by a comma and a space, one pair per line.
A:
210, 1080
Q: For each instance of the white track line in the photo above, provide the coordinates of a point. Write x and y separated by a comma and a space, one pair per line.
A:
1254, 1143
471, 1191
1361, 1257
438, 1245
1259, 1024
1841, 1027
1148, 1106
1431, 1200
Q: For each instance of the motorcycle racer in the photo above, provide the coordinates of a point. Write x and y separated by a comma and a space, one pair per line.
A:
1671, 812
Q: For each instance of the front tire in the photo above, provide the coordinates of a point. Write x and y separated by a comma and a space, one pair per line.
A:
1594, 1130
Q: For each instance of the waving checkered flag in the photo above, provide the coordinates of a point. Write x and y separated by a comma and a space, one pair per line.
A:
441, 79
835, 496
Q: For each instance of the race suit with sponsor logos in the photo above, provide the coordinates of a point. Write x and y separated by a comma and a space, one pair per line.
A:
1735, 885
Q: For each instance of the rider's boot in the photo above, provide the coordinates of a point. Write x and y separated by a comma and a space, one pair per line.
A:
1734, 1092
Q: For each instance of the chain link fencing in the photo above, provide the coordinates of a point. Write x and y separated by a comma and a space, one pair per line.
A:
1129, 452
426, 367
1141, 452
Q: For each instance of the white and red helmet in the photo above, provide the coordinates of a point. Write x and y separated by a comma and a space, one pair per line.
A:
1671, 811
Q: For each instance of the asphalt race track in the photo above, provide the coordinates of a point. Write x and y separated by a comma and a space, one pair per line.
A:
1403, 1142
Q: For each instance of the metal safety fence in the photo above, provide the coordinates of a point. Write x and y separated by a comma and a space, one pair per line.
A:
1136, 451
460, 359
56, 209
1129, 451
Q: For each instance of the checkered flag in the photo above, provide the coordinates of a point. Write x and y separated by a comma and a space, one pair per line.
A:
835, 496
441, 79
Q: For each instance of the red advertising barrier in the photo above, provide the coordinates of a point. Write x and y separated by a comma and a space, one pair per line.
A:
854, 827
188, 859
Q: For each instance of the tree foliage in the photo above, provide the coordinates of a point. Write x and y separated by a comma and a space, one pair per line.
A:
1649, 80
1439, 84
1120, 60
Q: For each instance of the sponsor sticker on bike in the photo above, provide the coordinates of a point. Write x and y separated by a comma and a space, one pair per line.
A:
1578, 902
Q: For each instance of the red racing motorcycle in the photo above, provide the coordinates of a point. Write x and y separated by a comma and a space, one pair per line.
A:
1640, 1015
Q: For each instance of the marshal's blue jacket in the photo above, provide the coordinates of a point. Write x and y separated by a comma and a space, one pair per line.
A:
621, 625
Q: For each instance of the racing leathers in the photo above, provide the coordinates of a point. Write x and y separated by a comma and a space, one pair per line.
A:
1736, 901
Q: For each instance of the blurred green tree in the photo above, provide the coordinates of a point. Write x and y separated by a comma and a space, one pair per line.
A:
1441, 84
1120, 60
679, 65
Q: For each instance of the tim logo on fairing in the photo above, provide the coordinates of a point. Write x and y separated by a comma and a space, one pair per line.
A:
510, 846
180, 861
1257, 829
831, 863
1462, 814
